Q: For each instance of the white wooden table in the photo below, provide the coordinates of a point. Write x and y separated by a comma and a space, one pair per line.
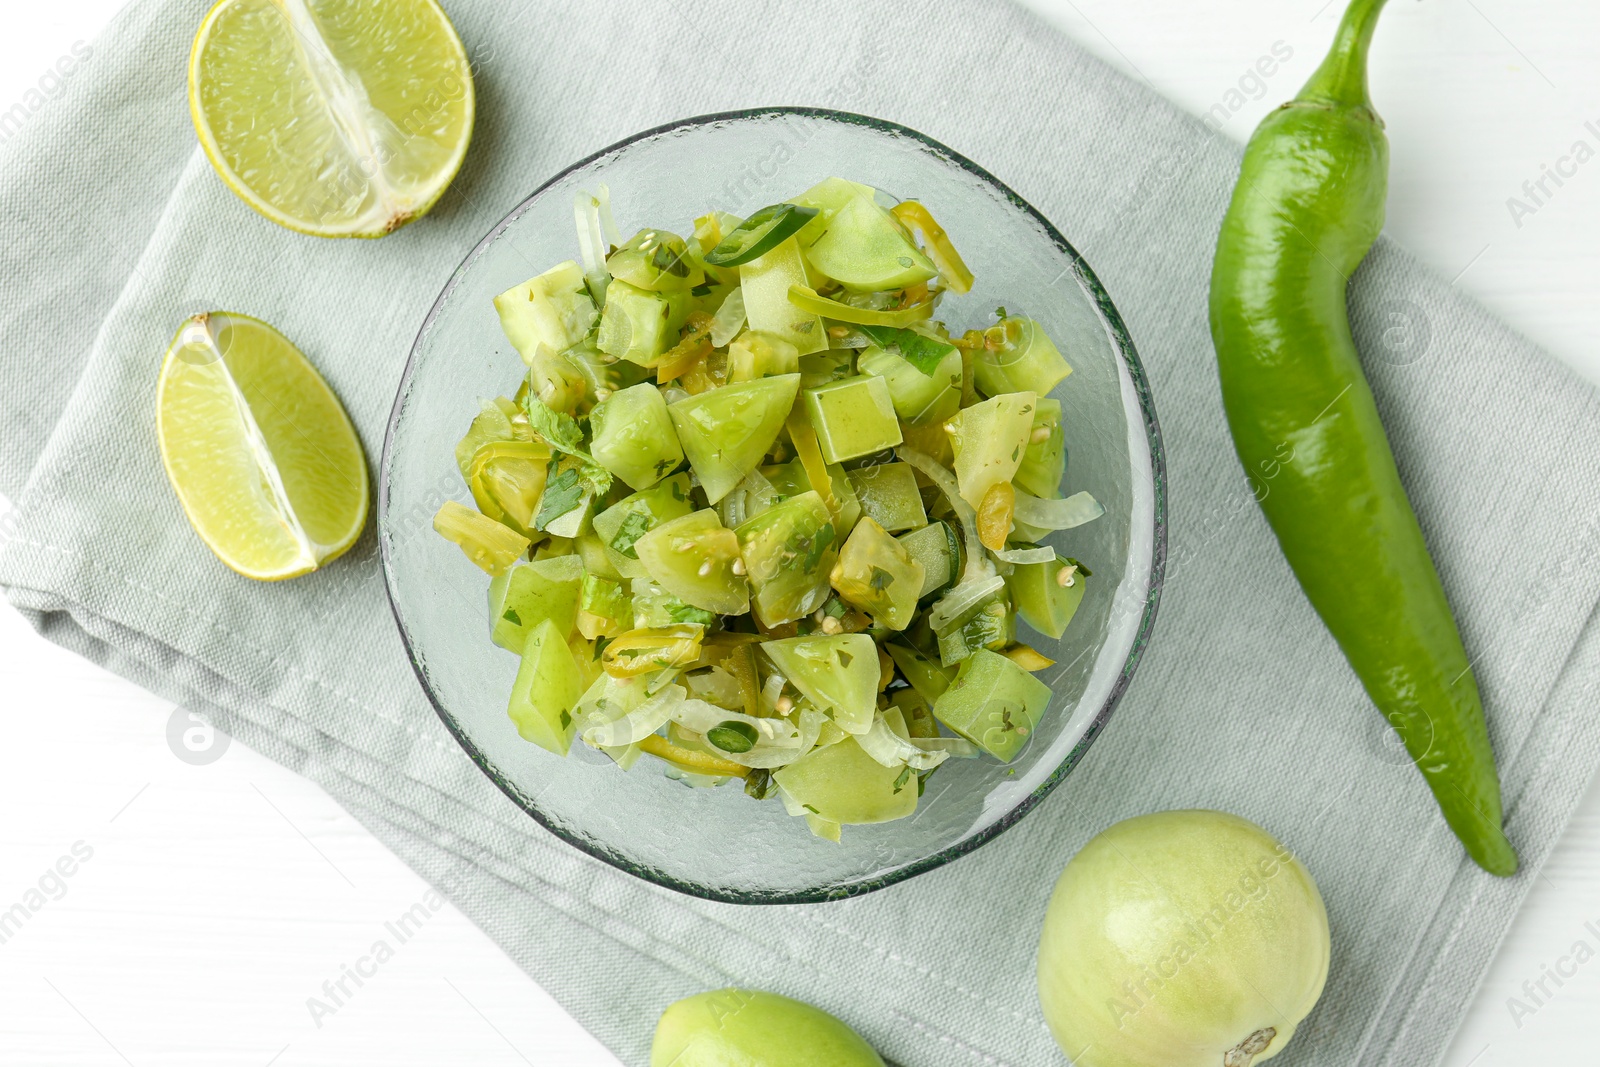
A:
215, 899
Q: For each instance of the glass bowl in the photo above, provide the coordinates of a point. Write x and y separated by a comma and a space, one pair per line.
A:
718, 843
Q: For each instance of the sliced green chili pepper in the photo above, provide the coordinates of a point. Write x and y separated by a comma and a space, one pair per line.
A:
760, 234
1308, 206
806, 299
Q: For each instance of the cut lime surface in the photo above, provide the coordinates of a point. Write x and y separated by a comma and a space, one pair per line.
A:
339, 118
264, 460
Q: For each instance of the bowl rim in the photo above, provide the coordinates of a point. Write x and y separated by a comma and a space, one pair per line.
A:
1124, 346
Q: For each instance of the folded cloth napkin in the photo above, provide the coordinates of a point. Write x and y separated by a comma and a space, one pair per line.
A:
117, 229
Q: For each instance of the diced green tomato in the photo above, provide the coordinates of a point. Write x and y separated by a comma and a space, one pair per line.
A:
556, 380
534, 592
1044, 462
655, 608
759, 234
787, 479
820, 368
693, 559
638, 325
989, 624
765, 283
889, 495
592, 550
936, 547
492, 546
878, 576
826, 829
989, 439
553, 310
919, 399
853, 417
916, 712
842, 784
604, 610
926, 676
547, 688
726, 431
754, 354
1018, 356
626, 566
624, 522
865, 250
655, 260
827, 196
490, 424
633, 436
993, 703
1041, 598
837, 673
790, 479
788, 551
603, 374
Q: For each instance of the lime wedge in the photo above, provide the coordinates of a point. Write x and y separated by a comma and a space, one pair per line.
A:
332, 118
264, 460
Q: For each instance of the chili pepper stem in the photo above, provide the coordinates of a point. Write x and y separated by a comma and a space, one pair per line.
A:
1342, 77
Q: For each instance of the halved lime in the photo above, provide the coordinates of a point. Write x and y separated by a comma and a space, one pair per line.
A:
333, 118
262, 455
760, 234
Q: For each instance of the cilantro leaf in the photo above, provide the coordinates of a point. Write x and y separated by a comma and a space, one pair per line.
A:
561, 494
919, 350
595, 478
814, 546
900, 782
881, 579
556, 427
678, 611
634, 526
562, 432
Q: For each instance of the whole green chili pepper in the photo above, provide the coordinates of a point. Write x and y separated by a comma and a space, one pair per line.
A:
1308, 206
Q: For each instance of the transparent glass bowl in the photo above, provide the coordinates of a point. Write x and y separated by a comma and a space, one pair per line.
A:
718, 843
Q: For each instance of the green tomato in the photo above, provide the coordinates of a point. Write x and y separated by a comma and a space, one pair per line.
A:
1018, 356
633, 436
694, 558
1044, 462
726, 431
989, 439
788, 550
876, 574
744, 1028
1181, 939
1047, 595
837, 673
655, 260
920, 399
842, 784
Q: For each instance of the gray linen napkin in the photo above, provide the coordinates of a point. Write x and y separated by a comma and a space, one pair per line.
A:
116, 229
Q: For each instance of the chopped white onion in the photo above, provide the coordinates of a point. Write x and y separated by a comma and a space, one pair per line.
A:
591, 244
608, 224
958, 747
635, 725
729, 318
1075, 510
1025, 555
891, 750
959, 600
